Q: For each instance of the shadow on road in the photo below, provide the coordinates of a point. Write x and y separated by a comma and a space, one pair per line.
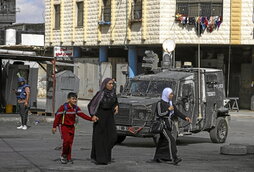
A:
183, 141
138, 143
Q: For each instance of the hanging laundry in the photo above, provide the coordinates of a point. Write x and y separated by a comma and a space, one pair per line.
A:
210, 26
198, 26
218, 21
191, 20
183, 20
204, 23
201, 23
178, 16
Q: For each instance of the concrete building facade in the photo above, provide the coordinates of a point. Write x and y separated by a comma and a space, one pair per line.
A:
157, 23
7, 12
219, 32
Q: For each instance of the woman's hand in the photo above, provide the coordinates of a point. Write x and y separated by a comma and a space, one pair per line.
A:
188, 119
116, 110
95, 118
26, 104
171, 108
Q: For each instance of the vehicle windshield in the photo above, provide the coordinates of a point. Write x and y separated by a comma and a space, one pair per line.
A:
147, 88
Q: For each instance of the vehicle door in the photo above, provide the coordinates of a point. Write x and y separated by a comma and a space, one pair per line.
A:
214, 97
186, 103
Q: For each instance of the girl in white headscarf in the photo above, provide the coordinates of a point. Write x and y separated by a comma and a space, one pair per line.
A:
167, 144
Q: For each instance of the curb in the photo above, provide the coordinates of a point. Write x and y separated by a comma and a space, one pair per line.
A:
250, 148
237, 149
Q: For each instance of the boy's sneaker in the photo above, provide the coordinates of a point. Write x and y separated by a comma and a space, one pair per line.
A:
20, 127
63, 160
24, 127
177, 160
70, 161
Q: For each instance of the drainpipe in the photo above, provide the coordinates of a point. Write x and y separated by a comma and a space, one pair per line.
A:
54, 86
103, 57
229, 62
132, 59
1, 85
103, 54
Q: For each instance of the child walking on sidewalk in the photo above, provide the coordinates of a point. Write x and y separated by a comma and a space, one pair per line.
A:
65, 120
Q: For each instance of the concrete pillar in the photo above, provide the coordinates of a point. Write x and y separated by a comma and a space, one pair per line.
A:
252, 64
1, 85
103, 54
252, 81
132, 59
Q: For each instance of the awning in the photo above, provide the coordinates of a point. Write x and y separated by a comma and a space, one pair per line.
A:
25, 57
30, 56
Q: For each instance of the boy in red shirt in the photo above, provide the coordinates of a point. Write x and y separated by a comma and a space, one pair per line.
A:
65, 117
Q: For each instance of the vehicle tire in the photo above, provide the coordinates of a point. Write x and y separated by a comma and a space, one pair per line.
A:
120, 139
219, 133
233, 150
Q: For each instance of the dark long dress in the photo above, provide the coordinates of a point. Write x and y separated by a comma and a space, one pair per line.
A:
164, 146
104, 131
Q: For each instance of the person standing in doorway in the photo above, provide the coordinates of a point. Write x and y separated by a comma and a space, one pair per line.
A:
166, 147
23, 95
104, 106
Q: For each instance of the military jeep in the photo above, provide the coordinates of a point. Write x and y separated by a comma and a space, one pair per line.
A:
199, 94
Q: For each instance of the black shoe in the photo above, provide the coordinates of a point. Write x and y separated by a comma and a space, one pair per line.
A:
63, 160
101, 163
177, 160
164, 159
70, 161
158, 160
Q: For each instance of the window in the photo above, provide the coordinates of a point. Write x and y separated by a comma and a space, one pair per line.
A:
57, 16
199, 7
136, 10
211, 82
80, 13
106, 11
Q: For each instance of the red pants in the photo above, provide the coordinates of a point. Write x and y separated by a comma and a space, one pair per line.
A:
67, 136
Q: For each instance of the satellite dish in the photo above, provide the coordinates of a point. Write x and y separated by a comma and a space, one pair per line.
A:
168, 45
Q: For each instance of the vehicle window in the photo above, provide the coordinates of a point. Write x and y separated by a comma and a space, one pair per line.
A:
156, 87
147, 88
211, 80
187, 96
139, 87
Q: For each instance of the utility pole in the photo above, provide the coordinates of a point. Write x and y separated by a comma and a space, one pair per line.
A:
199, 72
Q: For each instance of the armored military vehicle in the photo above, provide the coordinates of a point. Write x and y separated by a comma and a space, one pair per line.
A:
199, 94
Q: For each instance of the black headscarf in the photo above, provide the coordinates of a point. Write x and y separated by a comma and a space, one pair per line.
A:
95, 102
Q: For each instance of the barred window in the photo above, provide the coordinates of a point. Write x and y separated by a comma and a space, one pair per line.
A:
7, 7
57, 16
199, 7
136, 10
80, 13
106, 11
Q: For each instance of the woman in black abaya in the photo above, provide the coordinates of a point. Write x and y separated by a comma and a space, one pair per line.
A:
103, 107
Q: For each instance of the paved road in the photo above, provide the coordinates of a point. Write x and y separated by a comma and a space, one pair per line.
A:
33, 150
